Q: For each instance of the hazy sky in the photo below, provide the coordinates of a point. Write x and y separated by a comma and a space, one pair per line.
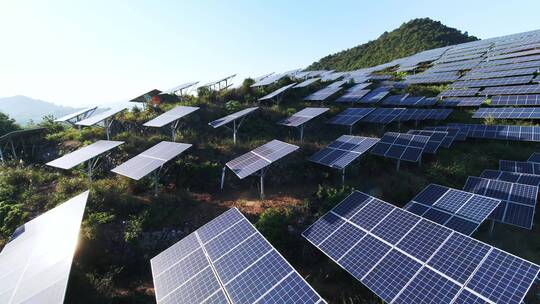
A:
76, 52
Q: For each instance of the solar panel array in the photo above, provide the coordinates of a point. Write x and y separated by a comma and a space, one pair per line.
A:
513, 177
534, 158
394, 100
458, 210
37, 260
352, 96
407, 147
231, 117
515, 100
259, 158
459, 93
512, 90
303, 116
375, 96
436, 139
227, 261
424, 114
508, 113
476, 83
518, 200
519, 166
350, 116
76, 114
306, 83
170, 116
323, 94
503, 132
83, 154
383, 115
151, 159
497, 74
404, 258
97, 118
463, 102
343, 151
180, 88
277, 92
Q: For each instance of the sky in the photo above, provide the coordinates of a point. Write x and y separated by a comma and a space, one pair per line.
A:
78, 53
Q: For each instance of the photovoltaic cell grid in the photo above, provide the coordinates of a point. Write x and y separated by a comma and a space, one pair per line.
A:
375, 96
518, 200
260, 157
436, 138
458, 210
350, 116
343, 151
503, 132
512, 90
231, 117
404, 258
463, 102
515, 100
507, 67
496, 74
151, 159
323, 94
512, 177
492, 82
303, 116
170, 116
459, 93
519, 167
424, 114
508, 113
227, 261
83, 154
394, 100
75, 115
534, 158
454, 134
407, 147
383, 115
97, 118
36, 262
352, 96
277, 92
306, 83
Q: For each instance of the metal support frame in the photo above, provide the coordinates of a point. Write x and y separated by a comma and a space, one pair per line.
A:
223, 176
398, 164
491, 227
156, 176
302, 132
236, 127
72, 121
91, 165
174, 129
107, 125
343, 177
350, 129
220, 85
262, 174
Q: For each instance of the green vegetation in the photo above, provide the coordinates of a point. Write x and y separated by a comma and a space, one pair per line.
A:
410, 38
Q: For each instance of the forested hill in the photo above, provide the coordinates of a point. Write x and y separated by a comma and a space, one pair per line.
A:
411, 37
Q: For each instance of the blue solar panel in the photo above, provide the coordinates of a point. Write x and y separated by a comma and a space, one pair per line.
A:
401, 146
508, 113
534, 158
466, 297
375, 96
343, 151
383, 115
503, 132
519, 167
230, 256
350, 116
513, 177
427, 264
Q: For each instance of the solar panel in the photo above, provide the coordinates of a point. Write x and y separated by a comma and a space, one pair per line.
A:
375, 96
179, 88
343, 151
459, 93
512, 90
170, 116
508, 113
303, 116
517, 54
277, 92
503, 132
518, 200
306, 83
394, 100
83, 154
407, 147
458, 210
496, 74
519, 167
416, 101
515, 100
507, 67
255, 160
146, 97
323, 94
404, 258
383, 115
37, 260
81, 114
436, 139
424, 114
513, 177
359, 86
492, 82
231, 117
432, 78
338, 83
268, 80
352, 96
454, 133
97, 118
150, 160
534, 158
350, 116
463, 102
227, 261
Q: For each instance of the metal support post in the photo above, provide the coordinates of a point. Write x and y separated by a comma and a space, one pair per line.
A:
350, 129
13, 149
234, 131
301, 133
223, 176
343, 177
398, 164
491, 226
89, 170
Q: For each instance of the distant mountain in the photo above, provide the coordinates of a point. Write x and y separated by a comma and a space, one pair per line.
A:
23, 109
412, 37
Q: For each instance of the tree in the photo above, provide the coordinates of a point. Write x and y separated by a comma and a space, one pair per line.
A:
7, 124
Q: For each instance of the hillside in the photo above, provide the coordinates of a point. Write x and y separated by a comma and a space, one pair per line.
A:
411, 37
23, 109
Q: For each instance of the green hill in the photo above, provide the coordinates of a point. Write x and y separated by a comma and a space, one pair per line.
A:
411, 37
